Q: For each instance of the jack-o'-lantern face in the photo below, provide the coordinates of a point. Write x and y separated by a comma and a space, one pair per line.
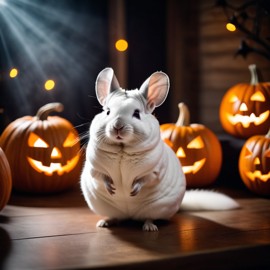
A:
198, 151
43, 151
254, 166
245, 111
50, 156
197, 148
186, 152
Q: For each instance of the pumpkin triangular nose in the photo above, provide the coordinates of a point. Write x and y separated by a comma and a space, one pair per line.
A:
56, 153
180, 152
243, 107
257, 161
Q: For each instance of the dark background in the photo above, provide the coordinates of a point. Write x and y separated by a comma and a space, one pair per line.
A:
67, 41
70, 41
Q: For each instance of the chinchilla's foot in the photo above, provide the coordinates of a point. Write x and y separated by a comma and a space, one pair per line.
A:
149, 226
105, 223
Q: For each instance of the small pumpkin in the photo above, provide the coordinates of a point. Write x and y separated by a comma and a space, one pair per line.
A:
244, 110
43, 151
254, 164
197, 148
5, 180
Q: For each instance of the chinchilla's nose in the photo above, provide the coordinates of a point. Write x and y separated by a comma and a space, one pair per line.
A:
119, 124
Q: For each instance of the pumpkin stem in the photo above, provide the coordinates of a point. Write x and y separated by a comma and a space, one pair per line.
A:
45, 110
184, 115
254, 75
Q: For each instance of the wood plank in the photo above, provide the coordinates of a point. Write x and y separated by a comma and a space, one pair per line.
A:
55, 222
127, 245
50, 223
53, 237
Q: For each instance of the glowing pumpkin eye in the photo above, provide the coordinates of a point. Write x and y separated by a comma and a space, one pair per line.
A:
233, 99
248, 153
196, 143
35, 141
71, 140
258, 96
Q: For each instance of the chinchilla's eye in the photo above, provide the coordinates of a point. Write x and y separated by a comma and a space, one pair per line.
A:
108, 111
136, 114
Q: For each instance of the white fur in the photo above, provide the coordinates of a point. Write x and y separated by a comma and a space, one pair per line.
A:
129, 171
198, 200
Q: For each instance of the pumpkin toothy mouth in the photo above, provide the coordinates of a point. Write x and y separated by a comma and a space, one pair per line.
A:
246, 120
54, 167
258, 174
195, 167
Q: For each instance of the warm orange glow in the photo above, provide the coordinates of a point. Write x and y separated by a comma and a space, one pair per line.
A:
54, 167
251, 167
258, 96
196, 143
180, 152
49, 85
258, 174
121, 45
71, 140
243, 107
56, 153
230, 27
13, 73
248, 153
246, 120
35, 141
195, 167
233, 99
257, 161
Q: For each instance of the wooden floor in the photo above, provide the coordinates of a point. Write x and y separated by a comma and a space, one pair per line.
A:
58, 232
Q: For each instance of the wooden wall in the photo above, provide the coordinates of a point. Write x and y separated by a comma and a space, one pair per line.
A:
201, 60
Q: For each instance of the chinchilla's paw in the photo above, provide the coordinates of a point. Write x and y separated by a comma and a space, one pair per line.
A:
109, 185
136, 187
149, 226
105, 223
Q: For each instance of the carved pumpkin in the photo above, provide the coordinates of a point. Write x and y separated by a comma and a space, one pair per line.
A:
244, 109
5, 180
197, 148
43, 151
254, 164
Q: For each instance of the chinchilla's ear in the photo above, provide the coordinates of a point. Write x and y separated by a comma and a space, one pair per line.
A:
105, 84
155, 89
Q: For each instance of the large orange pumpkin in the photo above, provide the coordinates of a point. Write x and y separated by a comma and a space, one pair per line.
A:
5, 180
43, 151
197, 148
254, 164
244, 109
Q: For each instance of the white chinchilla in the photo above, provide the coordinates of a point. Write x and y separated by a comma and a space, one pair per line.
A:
129, 172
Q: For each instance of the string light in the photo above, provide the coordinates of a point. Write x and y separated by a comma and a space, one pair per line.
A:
13, 73
230, 27
49, 85
121, 45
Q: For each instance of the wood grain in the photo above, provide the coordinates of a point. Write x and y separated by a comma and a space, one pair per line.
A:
58, 232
